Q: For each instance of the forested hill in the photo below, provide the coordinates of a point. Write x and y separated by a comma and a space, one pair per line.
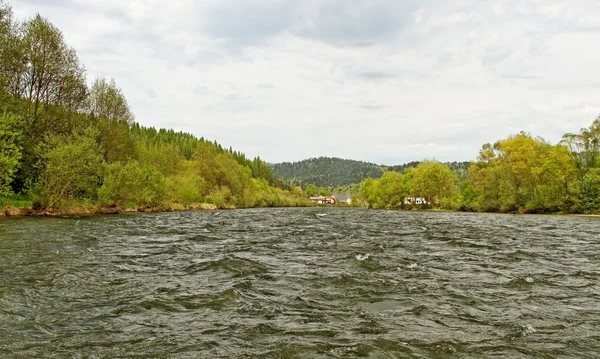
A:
335, 172
68, 145
326, 171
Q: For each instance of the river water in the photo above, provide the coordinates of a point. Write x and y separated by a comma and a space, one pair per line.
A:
300, 283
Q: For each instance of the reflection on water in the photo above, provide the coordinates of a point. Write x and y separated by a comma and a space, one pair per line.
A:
300, 283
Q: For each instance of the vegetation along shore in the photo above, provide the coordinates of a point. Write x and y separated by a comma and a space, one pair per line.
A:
68, 146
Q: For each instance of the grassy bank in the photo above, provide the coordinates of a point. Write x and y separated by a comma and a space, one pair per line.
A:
20, 206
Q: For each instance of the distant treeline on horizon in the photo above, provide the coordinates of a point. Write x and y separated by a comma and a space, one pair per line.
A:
336, 172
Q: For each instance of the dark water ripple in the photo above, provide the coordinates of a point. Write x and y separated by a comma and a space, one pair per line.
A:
293, 283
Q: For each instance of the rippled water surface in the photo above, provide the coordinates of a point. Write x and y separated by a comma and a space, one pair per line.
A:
300, 283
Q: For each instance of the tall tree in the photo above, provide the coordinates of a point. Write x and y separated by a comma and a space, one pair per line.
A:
107, 101
433, 181
52, 81
10, 151
10, 57
584, 147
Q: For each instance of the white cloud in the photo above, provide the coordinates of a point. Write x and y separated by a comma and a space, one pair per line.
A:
384, 81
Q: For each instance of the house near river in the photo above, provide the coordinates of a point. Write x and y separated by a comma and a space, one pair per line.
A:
322, 199
415, 200
333, 199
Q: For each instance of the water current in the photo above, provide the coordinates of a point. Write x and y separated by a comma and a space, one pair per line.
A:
300, 283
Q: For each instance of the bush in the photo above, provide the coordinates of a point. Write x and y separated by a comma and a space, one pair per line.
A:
129, 184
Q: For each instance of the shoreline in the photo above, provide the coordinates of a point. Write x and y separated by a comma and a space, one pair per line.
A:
12, 211
15, 212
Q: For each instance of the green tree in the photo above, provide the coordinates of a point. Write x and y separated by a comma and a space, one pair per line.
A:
590, 191
311, 190
131, 184
394, 189
371, 194
52, 81
433, 181
10, 52
523, 173
106, 101
73, 169
10, 151
584, 147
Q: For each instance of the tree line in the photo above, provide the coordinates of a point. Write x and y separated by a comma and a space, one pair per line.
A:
65, 143
521, 173
332, 172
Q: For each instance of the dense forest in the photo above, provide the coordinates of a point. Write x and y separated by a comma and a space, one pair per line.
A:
70, 146
326, 171
337, 172
517, 174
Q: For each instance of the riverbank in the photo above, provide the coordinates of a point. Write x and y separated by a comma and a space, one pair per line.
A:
87, 209
83, 210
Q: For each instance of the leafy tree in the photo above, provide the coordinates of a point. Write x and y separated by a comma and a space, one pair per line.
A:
186, 186
73, 169
522, 173
107, 101
10, 151
131, 184
433, 181
394, 188
115, 140
590, 193
584, 147
311, 190
9, 52
52, 81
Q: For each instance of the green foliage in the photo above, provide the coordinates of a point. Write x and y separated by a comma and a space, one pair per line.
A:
388, 192
326, 171
15, 201
52, 82
10, 151
435, 182
131, 184
590, 192
187, 186
522, 173
312, 190
107, 101
584, 147
337, 172
73, 169
114, 139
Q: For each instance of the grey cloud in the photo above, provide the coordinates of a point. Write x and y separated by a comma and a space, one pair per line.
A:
114, 13
248, 22
336, 22
342, 22
372, 107
376, 75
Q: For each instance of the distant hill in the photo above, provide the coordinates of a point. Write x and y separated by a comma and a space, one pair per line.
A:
326, 171
335, 172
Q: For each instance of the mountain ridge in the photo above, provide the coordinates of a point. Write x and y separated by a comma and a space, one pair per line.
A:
334, 171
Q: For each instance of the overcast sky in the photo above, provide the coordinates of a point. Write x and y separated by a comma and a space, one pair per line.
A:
387, 81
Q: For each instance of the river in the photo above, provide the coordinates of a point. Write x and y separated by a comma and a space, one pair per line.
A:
300, 283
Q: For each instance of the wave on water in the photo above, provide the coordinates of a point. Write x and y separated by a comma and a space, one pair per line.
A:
362, 257
287, 283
